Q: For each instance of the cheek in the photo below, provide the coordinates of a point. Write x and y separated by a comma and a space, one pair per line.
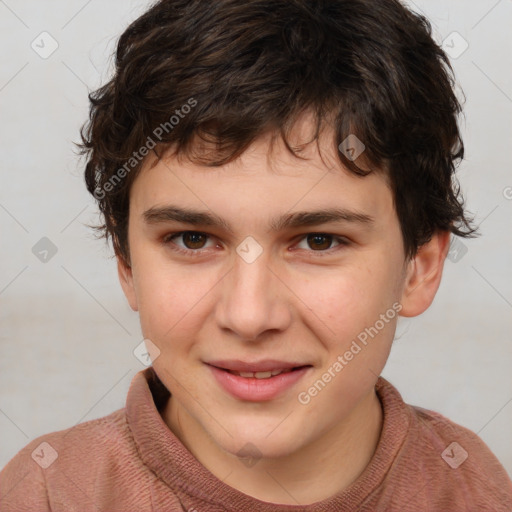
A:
163, 296
344, 301
173, 303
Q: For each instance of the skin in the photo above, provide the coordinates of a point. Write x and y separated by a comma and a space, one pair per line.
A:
298, 301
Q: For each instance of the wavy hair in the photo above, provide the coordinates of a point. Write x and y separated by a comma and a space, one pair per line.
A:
367, 68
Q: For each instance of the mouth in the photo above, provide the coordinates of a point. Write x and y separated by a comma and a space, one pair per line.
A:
261, 375
260, 381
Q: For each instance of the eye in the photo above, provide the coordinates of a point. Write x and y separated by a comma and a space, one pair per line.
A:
192, 241
321, 242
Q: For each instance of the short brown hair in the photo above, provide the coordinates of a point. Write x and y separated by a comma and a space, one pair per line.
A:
242, 69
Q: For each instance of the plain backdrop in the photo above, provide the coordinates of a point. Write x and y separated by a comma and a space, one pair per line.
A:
67, 333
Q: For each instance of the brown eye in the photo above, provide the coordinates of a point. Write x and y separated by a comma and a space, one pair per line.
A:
319, 241
194, 240
189, 243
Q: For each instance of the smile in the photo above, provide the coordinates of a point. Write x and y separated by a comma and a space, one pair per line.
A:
257, 382
259, 375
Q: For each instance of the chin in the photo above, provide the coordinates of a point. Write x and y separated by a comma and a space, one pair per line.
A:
264, 442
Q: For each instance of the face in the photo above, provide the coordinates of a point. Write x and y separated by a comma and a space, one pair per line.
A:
271, 287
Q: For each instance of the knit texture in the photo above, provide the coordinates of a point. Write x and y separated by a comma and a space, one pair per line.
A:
131, 461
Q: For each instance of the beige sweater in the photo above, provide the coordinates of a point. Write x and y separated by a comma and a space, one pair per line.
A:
131, 461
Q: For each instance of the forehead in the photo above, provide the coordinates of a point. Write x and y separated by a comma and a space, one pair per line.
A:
266, 179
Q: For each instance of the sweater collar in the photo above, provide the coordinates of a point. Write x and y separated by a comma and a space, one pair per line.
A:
171, 461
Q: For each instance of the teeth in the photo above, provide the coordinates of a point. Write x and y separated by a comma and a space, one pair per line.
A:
261, 375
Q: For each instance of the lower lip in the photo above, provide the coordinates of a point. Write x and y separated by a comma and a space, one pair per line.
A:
257, 390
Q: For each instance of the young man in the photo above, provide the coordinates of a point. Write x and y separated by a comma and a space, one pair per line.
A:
277, 178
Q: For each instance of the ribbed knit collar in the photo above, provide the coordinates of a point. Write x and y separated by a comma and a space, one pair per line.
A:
171, 461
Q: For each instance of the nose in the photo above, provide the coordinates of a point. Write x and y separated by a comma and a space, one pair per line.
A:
254, 300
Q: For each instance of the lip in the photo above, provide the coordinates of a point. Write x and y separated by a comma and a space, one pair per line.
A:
252, 389
265, 365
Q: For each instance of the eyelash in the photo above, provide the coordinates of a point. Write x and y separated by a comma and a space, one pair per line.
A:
167, 240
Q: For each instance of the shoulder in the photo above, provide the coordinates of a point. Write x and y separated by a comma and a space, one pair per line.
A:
458, 463
458, 443
82, 443
436, 463
62, 459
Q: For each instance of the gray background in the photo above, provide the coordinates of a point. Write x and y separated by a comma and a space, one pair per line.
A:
67, 333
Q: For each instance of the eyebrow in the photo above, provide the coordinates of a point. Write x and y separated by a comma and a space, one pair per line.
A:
161, 214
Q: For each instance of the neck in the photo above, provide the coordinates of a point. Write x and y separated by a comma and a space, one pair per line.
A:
316, 472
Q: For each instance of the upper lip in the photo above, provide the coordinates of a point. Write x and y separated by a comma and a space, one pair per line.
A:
266, 365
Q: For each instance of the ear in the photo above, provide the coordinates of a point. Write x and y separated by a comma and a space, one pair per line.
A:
124, 271
423, 275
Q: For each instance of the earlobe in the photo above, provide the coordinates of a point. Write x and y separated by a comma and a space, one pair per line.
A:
423, 275
125, 274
